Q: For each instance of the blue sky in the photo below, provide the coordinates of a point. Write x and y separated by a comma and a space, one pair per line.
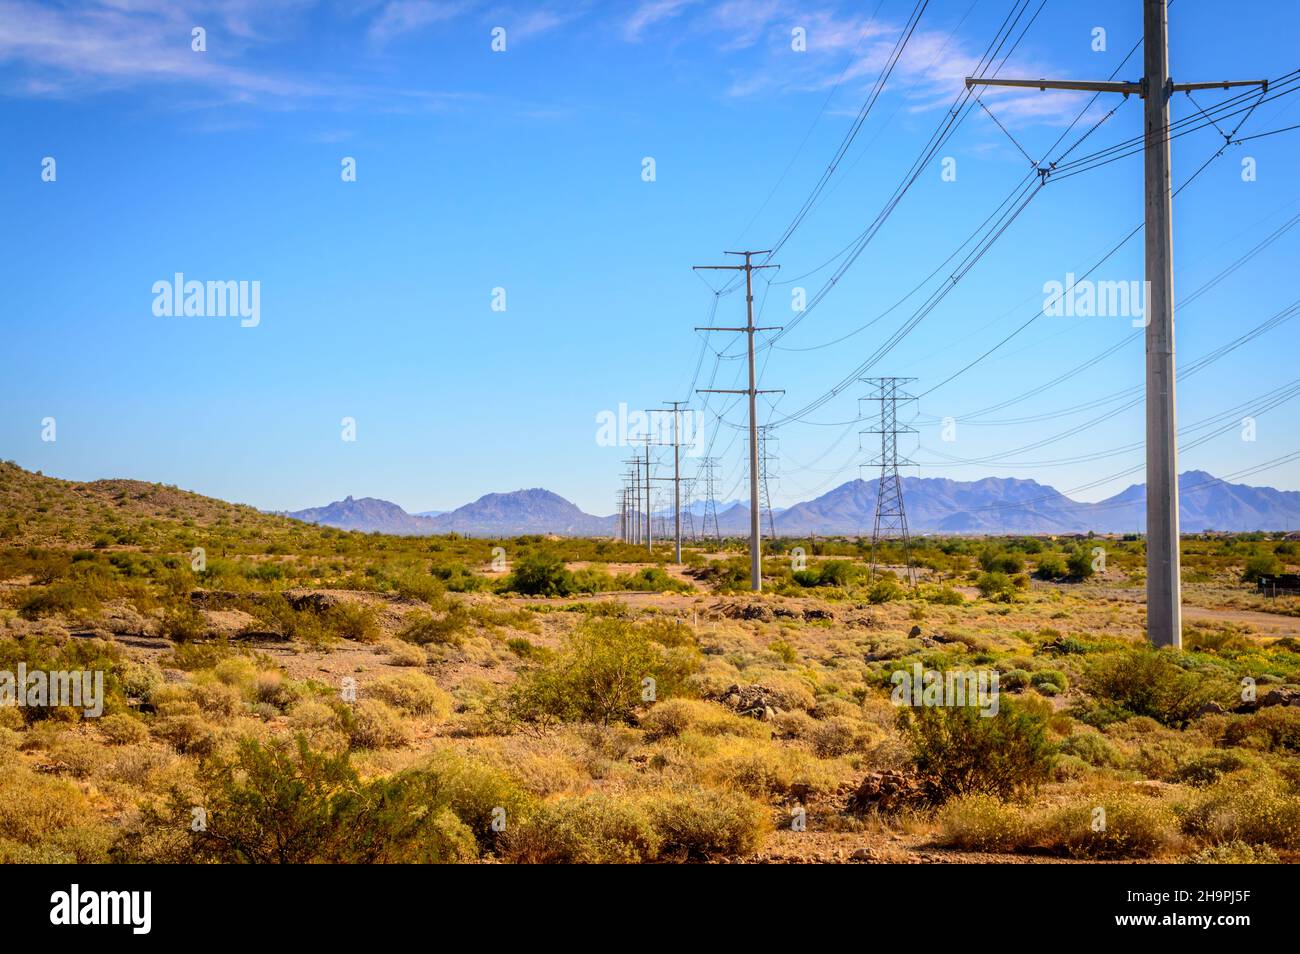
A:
523, 170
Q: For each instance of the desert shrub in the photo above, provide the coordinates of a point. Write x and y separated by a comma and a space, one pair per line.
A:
785, 650
35, 807
355, 621
122, 729
794, 724
1133, 826
1234, 853
477, 793
726, 575
309, 714
763, 769
667, 631
885, 591
703, 824
404, 654
996, 587
68, 599
180, 723
1270, 729
216, 700
961, 752
1013, 680
458, 578
651, 579
982, 823
182, 624
1093, 748
944, 596
837, 573
834, 737
1245, 806
1001, 562
373, 724
1051, 566
1079, 564
413, 693
1052, 680
1208, 767
1147, 682
424, 628
1260, 564
540, 574
291, 805
599, 675
672, 717
591, 829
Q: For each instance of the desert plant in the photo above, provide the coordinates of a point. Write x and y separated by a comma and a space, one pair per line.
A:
959, 751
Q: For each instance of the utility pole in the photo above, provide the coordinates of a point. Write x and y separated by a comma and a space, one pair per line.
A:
675, 408
649, 502
755, 541
1164, 600
890, 513
634, 499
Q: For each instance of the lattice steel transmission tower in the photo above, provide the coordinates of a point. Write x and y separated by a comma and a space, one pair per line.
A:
708, 473
765, 461
688, 514
891, 516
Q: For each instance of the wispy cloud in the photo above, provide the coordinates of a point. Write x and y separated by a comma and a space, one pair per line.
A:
846, 50
405, 16
651, 12
123, 42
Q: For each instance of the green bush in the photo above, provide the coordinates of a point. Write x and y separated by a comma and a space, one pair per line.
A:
1000, 561
1149, 682
885, 591
704, 824
960, 752
424, 628
1275, 728
281, 804
1051, 566
600, 675
1080, 564
1261, 564
996, 587
591, 829
540, 574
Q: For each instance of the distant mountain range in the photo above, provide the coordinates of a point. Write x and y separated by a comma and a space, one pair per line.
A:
994, 505
492, 515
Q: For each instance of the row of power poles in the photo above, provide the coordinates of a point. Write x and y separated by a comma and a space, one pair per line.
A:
1164, 607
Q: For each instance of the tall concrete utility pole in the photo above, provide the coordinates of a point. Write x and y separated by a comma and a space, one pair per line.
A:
1164, 601
634, 504
755, 540
649, 501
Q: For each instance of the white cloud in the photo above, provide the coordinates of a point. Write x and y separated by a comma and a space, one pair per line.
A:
404, 16
650, 12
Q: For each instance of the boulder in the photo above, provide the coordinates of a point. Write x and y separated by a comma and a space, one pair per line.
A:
888, 792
